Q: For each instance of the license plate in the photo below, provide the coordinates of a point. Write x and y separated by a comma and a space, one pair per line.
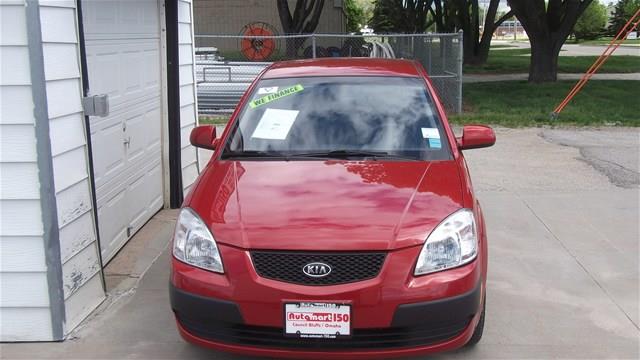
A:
317, 320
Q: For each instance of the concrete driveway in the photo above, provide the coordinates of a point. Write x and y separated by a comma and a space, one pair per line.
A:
563, 277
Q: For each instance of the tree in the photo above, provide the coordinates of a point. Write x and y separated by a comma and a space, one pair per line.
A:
548, 25
400, 16
447, 16
591, 23
442, 16
367, 9
386, 17
355, 15
477, 41
622, 12
304, 20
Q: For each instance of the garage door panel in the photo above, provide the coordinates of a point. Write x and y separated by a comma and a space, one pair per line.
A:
103, 15
130, 200
134, 67
103, 60
125, 178
147, 192
137, 138
122, 39
136, 192
155, 188
143, 133
108, 152
108, 19
136, 103
154, 130
151, 69
130, 16
131, 78
112, 225
140, 126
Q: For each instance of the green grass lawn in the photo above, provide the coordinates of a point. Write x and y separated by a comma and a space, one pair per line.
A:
506, 61
213, 119
501, 46
518, 103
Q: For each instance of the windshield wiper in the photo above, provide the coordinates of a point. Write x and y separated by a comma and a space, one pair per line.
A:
343, 154
252, 154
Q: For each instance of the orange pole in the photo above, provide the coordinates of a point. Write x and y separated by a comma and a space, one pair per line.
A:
596, 65
585, 78
620, 37
613, 45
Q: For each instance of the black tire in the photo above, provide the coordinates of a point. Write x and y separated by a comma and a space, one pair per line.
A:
477, 333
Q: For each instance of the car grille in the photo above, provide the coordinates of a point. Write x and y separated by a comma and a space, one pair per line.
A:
273, 337
345, 267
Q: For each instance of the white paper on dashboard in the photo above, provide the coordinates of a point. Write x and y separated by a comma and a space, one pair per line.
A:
430, 133
275, 124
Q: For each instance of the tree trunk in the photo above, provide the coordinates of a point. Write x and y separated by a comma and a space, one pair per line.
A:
469, 46
477, 45
481, 56
482, 50
544, 59
548, 24
304, 20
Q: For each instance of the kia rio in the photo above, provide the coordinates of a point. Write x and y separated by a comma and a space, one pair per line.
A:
335, 219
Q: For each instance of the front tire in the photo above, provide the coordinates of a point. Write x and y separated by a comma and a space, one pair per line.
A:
477, 333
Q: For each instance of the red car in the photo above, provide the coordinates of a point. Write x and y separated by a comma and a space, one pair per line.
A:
335, 219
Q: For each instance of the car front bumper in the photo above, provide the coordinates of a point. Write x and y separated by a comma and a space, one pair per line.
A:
395, 314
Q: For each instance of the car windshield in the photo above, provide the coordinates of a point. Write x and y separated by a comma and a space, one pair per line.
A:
339, 117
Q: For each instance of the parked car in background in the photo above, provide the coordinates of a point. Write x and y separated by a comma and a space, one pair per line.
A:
335, 219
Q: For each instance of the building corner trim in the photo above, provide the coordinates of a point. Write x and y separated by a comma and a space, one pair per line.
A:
51, 232
173, 95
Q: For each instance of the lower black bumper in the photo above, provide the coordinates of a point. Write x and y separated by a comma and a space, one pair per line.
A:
413, 324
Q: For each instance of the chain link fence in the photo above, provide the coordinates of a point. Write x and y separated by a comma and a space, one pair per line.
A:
227, 64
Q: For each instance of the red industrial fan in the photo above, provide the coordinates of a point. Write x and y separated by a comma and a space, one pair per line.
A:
256, 43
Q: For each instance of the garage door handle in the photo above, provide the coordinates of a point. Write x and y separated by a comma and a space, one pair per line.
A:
127, 142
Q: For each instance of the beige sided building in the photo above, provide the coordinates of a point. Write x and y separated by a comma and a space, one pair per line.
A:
230, 16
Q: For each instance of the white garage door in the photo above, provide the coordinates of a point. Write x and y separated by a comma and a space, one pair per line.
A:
122, 41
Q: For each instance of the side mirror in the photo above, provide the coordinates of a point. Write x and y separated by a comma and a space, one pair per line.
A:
204, 136
476, 136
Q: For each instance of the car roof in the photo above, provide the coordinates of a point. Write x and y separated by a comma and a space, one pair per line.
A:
342, 67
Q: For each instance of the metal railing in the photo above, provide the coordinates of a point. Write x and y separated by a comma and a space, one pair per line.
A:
227, 64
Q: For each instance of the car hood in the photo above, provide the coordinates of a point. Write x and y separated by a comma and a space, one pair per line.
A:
326, 205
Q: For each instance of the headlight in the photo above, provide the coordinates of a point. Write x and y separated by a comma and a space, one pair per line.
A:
194, 244
452, 243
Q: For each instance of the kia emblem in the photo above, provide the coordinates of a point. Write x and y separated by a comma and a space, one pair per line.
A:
316, 269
